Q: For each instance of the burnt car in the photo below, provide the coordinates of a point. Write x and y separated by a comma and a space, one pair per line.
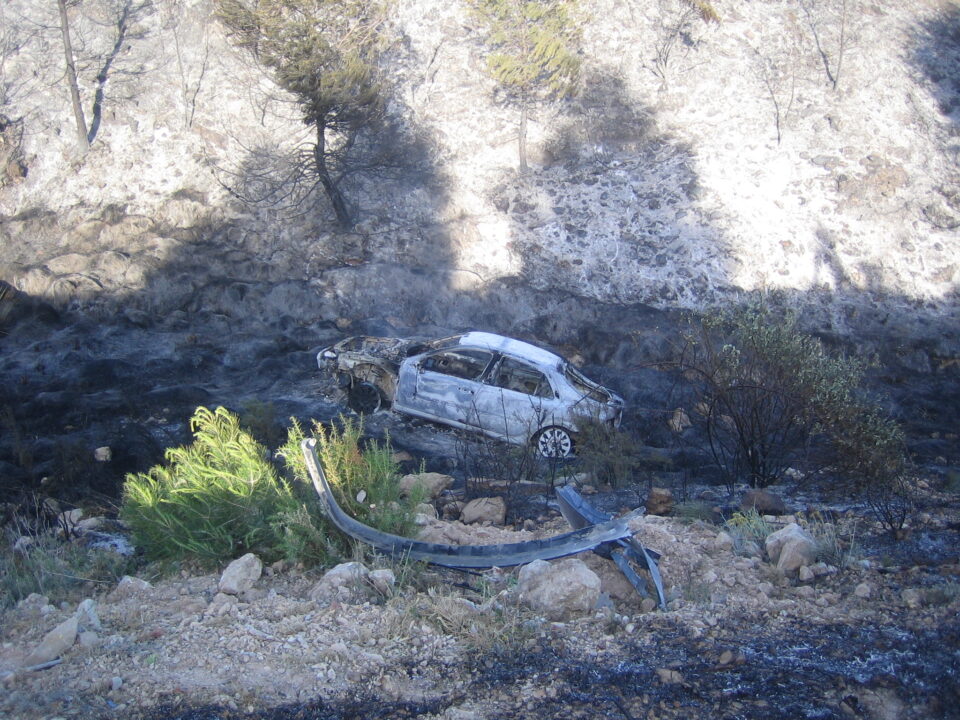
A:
505, 388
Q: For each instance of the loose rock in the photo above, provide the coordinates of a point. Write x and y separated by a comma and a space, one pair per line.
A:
432, 483
791, 548
764, 502
659, 501
54, 643
492, 509
559, 590
241, 574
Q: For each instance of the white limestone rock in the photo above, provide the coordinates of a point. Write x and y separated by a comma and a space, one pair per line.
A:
240, 575
791, 548
54, 643
559, 590
346, 582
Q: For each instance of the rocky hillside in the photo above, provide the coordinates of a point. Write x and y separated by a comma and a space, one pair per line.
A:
805, 150
700, 162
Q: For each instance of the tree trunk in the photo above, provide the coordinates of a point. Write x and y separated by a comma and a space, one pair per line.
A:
330, 187
72, 77
522, 138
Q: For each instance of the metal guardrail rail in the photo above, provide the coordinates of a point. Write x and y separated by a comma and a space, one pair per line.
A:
593, 530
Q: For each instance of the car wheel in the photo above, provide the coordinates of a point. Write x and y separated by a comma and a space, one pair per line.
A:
364, 398
554, 442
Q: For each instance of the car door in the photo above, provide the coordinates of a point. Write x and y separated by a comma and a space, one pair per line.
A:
515, 400
442, 385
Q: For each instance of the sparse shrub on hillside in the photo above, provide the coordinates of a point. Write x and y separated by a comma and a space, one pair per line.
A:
533, 53
606, 453
60, 569
706, 10
327, 56
765, 390
755, 382
746, 527
364, 478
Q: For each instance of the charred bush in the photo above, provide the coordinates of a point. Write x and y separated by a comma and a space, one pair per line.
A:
767, 397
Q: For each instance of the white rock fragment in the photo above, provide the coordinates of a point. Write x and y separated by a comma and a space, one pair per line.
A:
383, 580
103, 454
723, 541
54, 643
912, 598
129, 586
864, 590
86, 615
559, 590
346, 581
791, 548
240, 575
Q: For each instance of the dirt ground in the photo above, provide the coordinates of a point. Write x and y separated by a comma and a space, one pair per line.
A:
878, 638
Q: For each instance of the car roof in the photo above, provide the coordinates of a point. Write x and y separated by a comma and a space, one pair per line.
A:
509, 346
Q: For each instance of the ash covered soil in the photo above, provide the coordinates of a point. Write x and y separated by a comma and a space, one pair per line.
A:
878, 638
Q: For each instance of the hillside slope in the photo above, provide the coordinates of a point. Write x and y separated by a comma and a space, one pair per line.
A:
663, 182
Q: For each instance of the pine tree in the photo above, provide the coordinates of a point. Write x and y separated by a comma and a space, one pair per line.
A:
325, 53
534, 53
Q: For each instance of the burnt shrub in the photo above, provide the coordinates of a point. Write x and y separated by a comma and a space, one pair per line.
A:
763, 391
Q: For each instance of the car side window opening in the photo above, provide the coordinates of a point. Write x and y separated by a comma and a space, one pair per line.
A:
465, 364
514, 375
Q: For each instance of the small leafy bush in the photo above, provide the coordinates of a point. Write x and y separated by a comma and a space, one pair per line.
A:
764, 391
221, 496
213, 500
833, 547
364, 479
746, 527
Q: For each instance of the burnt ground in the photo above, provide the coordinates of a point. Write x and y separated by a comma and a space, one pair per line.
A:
70, 384
781, 670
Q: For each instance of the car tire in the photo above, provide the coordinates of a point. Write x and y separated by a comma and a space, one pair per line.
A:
364, 398
554, 442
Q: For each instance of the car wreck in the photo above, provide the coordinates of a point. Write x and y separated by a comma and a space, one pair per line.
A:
504, 388
592, 530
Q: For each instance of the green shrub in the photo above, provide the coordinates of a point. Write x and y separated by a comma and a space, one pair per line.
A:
221, 496
363, 479
764, 390
694, 510
213, 500
747, 526
833, 547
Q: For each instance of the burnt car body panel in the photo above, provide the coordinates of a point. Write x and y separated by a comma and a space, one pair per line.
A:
502, 387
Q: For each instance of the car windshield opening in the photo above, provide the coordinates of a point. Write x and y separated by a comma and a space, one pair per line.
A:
466, 364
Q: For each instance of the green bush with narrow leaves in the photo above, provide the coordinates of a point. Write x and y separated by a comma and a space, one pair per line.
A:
213, 500
221, 496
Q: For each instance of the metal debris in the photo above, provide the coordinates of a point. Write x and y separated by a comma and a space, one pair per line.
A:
593, 530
